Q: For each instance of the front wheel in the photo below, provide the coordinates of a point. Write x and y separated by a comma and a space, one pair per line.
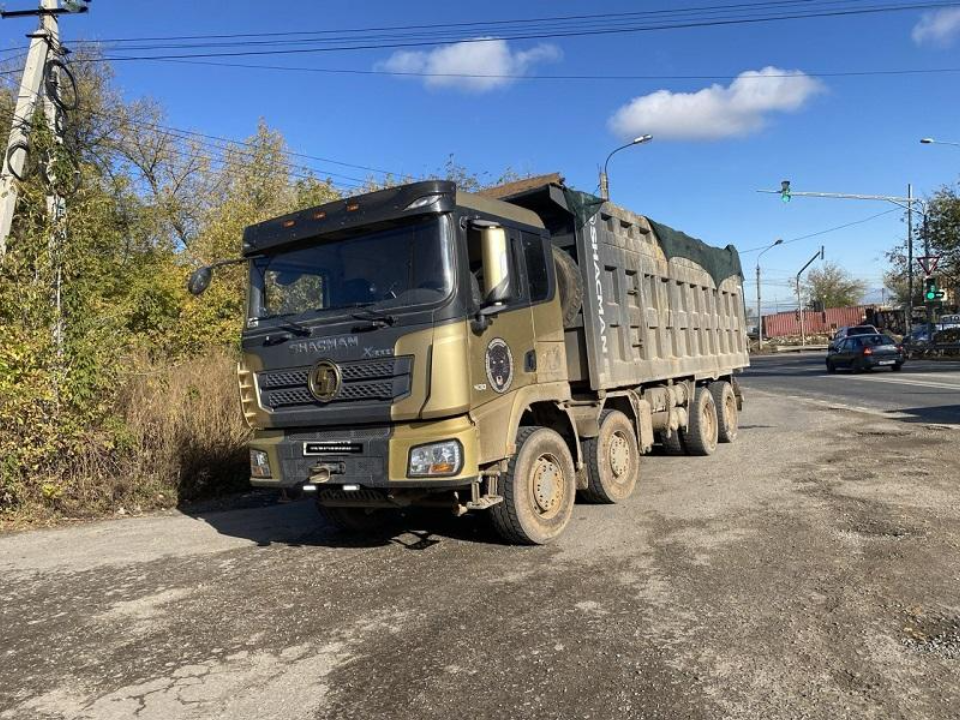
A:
538, 489
897, 367
831, 368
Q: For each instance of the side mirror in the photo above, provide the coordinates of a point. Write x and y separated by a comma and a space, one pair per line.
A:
497, 283
199, 280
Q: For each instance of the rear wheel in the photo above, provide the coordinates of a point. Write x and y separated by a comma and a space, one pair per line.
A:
897, 367
701, 435
831, 368
728, 415
538, 489
612, 460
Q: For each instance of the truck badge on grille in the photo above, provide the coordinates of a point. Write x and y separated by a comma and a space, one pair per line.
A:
324, 380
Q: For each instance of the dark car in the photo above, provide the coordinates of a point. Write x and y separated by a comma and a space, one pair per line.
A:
850, 331
865, 352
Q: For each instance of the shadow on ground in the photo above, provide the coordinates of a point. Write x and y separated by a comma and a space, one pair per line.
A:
939, 415
266, 518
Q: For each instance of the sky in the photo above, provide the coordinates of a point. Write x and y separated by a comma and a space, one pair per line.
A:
773, 111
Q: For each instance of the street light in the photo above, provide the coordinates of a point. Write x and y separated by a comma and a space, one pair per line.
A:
779, 241
604, 183
803, 333
931, 141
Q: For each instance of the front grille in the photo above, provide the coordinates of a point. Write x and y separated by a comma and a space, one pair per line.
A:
383, 380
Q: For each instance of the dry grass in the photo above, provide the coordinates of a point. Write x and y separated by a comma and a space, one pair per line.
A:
185, 427
177, 435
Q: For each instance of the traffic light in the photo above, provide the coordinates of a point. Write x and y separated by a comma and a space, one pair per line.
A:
931, 290
785, 191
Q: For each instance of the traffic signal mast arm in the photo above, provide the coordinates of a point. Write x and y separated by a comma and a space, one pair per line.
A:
904, 202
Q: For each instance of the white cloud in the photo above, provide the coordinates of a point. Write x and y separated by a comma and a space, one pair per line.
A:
446, 66
717, 111
940, 27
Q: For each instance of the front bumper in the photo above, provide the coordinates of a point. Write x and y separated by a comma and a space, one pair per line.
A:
371, 456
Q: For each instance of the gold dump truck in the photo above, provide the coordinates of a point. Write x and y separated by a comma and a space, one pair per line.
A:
426, 346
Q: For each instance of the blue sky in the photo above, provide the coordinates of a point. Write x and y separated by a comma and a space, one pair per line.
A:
853, 134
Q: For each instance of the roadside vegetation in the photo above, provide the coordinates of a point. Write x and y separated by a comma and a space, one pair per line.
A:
117, 388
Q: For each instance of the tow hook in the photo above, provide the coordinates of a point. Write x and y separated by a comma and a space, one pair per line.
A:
321, 473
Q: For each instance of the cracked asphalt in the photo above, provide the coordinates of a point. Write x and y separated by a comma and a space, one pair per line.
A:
808, 571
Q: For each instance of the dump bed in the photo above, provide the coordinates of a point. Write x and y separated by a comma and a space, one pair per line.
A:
657, 303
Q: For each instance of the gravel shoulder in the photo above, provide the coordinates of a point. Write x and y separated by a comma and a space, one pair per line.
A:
808, 571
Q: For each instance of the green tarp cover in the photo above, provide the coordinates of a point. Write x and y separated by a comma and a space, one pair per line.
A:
720, 263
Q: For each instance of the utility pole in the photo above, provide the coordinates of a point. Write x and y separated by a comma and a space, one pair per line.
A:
909, 323
803, 333
44, 45
779, 241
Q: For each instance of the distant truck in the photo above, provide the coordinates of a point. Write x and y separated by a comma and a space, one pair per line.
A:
426, 346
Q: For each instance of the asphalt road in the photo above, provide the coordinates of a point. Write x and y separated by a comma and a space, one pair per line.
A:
798, 573
925, 391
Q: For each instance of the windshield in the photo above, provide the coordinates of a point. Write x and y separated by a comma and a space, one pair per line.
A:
392, 268
875, 340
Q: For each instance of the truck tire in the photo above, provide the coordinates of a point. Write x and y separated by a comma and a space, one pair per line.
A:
359, 521
612, 460
728, 416
700, 437
673, 445
570, 286
538, 489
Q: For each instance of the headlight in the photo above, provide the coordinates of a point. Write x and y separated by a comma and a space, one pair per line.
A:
259, 464
436, 459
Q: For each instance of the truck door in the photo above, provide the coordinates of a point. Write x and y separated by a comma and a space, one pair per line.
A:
502, 354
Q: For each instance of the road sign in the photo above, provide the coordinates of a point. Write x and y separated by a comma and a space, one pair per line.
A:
928, 263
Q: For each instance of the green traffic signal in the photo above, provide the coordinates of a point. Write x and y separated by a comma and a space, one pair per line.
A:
785, 191
930, 290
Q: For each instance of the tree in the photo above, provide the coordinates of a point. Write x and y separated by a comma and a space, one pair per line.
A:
830, 286
941, 232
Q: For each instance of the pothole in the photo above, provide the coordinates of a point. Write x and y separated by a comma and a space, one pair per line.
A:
938, 636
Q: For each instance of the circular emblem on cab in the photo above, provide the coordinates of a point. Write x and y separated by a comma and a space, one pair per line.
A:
324, 380
499, 363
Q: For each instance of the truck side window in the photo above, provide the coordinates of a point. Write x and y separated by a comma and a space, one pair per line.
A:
534, 254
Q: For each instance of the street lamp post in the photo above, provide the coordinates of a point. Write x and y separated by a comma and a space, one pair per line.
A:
604, 181
803, 333
779, 241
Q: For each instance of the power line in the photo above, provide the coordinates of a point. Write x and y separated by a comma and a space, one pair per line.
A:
249, 144
824, 232
590, 77
474, 24
534, 35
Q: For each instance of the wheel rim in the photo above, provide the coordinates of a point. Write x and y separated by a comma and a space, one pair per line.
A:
547, 486
619, 456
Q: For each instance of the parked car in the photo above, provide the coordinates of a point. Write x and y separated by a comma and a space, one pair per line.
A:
865, 352
850, 331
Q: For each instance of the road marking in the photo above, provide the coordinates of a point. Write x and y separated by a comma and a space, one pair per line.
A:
833, 405
906, 381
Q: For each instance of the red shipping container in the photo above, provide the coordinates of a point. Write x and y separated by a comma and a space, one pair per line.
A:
815, 322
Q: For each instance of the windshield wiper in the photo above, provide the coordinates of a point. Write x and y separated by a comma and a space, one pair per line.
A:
290, 328
376, 318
